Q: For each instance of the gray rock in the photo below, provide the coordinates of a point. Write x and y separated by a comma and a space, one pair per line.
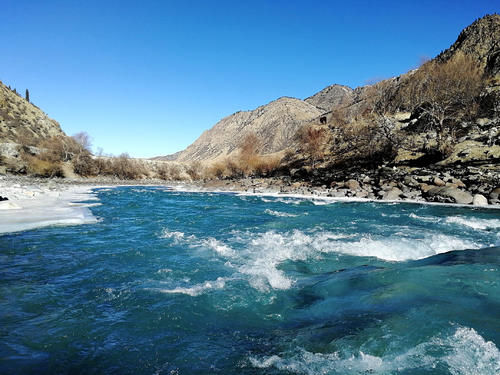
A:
456, 195
352, 184
410, 181
392, 195
438, 182
361, 194
479, 200
425, 187
495, 193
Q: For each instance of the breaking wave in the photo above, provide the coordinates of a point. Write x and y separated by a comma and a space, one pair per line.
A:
463, 352
198, 289
474, 223
279, 214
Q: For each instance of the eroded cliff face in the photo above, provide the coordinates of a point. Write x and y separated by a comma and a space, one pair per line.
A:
275, 124
22, 122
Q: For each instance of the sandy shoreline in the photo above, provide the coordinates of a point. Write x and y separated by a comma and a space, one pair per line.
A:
34, 203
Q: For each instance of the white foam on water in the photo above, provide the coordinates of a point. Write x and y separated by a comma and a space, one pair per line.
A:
472, 354
404, 248
321, 202
198, 289
464, 352
164, 270
265, 252
279, 214
192, 241
474, 223
218, 246
260, 255
176, 236
432, 219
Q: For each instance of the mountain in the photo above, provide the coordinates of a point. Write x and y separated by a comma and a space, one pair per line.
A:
330, 97
275, 124
481, 40
23, 122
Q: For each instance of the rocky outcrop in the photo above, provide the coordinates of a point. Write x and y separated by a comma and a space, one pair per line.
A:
22, 122
480, 40
330, 97
275, 124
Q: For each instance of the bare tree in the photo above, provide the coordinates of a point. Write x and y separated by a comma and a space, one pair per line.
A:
445, 93
84, 140
248, 155
312, 140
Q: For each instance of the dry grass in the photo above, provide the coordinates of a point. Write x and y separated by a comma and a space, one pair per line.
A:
42, 168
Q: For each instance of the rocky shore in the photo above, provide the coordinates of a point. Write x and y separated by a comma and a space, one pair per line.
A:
465, 187
461, 185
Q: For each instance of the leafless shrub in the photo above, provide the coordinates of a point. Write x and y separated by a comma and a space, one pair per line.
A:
266, 165
170, 172
312, 140
26, 137
339, 117
42, 168
217, 170
360, 142
445, 92
84, 165
234, 168
175, 172
194, 170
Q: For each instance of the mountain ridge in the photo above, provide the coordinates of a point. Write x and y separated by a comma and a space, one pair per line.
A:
481, 40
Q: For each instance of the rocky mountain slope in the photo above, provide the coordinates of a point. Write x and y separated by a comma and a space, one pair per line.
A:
481, 39
23, 122
278, 121
275, 124
331, 97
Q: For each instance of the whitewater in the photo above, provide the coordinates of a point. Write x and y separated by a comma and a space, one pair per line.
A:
158, 281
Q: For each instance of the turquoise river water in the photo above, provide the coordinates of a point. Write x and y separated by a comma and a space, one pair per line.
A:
173, 282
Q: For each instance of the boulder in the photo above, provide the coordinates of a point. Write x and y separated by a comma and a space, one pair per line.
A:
438, 182
352, 185
361, 194
425, 187
479, 200
410, 181
392, 195
495, 193
456, 195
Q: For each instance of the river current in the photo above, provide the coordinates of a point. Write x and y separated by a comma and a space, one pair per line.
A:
169, 282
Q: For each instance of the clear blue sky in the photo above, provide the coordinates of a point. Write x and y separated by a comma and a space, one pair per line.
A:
147, 77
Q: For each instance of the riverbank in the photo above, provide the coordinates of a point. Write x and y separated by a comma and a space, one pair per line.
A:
38, 202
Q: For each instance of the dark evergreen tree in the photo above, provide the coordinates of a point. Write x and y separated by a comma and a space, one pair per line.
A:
27, 95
